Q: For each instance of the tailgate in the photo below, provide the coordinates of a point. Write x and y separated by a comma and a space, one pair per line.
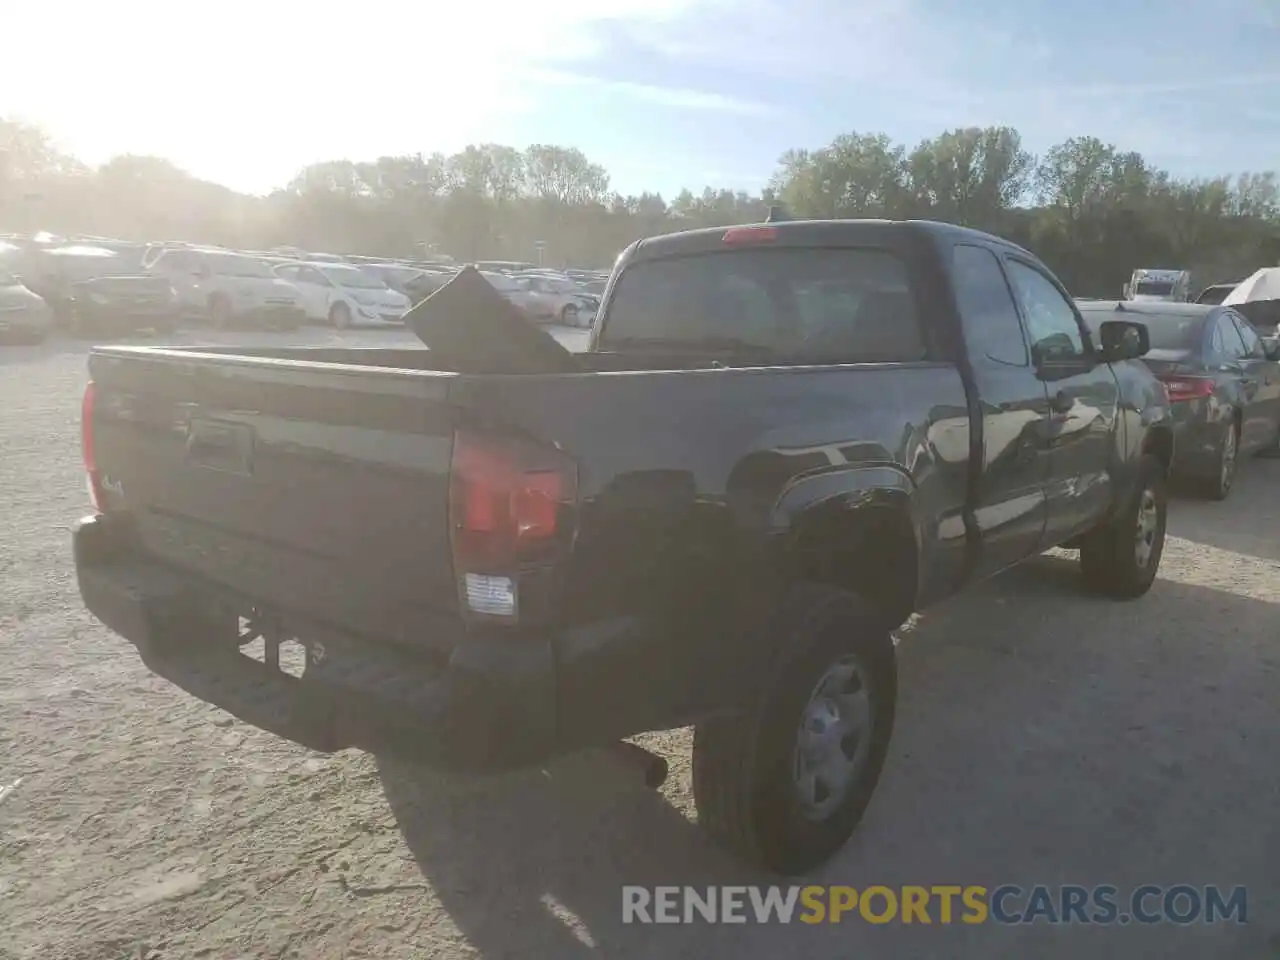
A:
320, 488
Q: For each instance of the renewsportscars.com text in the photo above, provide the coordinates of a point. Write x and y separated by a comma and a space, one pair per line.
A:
937, 904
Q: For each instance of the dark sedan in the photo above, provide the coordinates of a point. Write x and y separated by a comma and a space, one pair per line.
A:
415, 283
97, 291
24, 317
1222, 378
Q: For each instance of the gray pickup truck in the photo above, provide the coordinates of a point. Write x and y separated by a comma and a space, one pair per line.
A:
783, 439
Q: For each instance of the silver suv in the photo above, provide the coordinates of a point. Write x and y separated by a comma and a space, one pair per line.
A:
229, 289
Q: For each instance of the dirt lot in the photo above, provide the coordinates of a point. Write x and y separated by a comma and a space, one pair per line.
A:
1044, 737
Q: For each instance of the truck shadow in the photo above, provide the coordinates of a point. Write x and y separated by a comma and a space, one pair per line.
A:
1043, 737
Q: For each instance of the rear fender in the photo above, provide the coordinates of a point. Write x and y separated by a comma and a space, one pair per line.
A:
843, 514
852, 487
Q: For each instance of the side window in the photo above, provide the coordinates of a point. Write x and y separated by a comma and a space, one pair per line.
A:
1051, 320
987, 311
1217, 345
1226, 341
1252, 342
287, 273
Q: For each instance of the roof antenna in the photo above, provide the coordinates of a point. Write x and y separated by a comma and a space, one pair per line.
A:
777, 214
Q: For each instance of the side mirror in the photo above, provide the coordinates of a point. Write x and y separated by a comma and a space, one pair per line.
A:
1123, 340
1271, 348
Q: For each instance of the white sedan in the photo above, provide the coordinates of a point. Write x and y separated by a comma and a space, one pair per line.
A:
343, 295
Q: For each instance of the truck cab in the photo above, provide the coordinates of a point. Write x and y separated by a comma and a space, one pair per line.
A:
1169, 286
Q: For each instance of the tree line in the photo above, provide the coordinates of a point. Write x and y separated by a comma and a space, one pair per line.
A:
1090, 209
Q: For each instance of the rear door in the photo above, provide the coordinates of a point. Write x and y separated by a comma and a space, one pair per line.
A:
533, 294
1084, 399
1259, 375
316, 289
1011, 499
179, 268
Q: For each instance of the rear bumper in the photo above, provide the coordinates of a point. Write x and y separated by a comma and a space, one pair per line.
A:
125, 316
1197, 439
489, 707
383, 315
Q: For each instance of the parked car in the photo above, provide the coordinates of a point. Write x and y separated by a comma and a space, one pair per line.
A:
414, 282
556, 299
504, 266
297, 253
343, 295
24, 316
1215, 294
510, 288
822, 427
1223, 383
95, 291
229, 289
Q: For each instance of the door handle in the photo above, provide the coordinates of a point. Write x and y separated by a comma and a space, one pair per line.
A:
1061, 403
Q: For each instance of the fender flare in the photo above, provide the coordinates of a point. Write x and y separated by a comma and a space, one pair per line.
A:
850, 489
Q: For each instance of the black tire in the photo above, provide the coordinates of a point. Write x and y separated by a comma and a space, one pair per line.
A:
745, 766
1218, 487
76, 327
1110, 558
220, 312
340, 316
569, 315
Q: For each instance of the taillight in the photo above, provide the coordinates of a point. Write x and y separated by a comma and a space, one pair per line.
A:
1187, 388
742, 236
87, 448
511, 505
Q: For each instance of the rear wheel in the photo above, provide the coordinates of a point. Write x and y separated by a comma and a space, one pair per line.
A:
1121, 558
786, 783
1219, 486
76, 324
340, 316
220, 312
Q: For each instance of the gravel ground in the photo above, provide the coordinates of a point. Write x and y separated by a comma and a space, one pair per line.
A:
1044, 737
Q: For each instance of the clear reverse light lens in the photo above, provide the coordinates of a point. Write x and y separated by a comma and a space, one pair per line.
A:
495, 596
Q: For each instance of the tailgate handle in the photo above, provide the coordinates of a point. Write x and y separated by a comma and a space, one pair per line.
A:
220, 445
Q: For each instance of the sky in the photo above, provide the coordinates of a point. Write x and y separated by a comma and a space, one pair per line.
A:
664, 94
